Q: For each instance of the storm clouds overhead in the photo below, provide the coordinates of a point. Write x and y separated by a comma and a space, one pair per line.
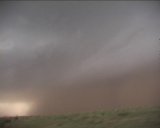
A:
53, 51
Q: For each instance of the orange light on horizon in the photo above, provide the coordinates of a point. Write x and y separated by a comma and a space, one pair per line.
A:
14, 108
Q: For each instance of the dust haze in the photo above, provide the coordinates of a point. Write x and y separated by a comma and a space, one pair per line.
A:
79, 56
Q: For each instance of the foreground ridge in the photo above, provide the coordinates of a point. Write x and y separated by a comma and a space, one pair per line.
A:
126, 118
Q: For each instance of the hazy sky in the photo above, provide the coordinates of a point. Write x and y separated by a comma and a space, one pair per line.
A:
48, 44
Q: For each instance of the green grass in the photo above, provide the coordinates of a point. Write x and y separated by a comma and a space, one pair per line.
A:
128, 118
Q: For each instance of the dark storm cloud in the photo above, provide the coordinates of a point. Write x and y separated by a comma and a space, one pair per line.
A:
48, 44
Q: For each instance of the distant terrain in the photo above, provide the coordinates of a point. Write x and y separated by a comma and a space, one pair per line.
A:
120, 118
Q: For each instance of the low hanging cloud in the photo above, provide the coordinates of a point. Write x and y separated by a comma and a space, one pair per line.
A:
45, 46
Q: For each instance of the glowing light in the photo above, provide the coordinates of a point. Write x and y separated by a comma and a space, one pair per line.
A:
14, 109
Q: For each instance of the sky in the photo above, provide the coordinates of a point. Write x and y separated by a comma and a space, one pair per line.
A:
49, 51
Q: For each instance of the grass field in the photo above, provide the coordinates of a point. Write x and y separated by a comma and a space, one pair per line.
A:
128, 118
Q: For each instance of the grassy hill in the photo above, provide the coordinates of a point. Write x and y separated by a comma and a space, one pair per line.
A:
128, 118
